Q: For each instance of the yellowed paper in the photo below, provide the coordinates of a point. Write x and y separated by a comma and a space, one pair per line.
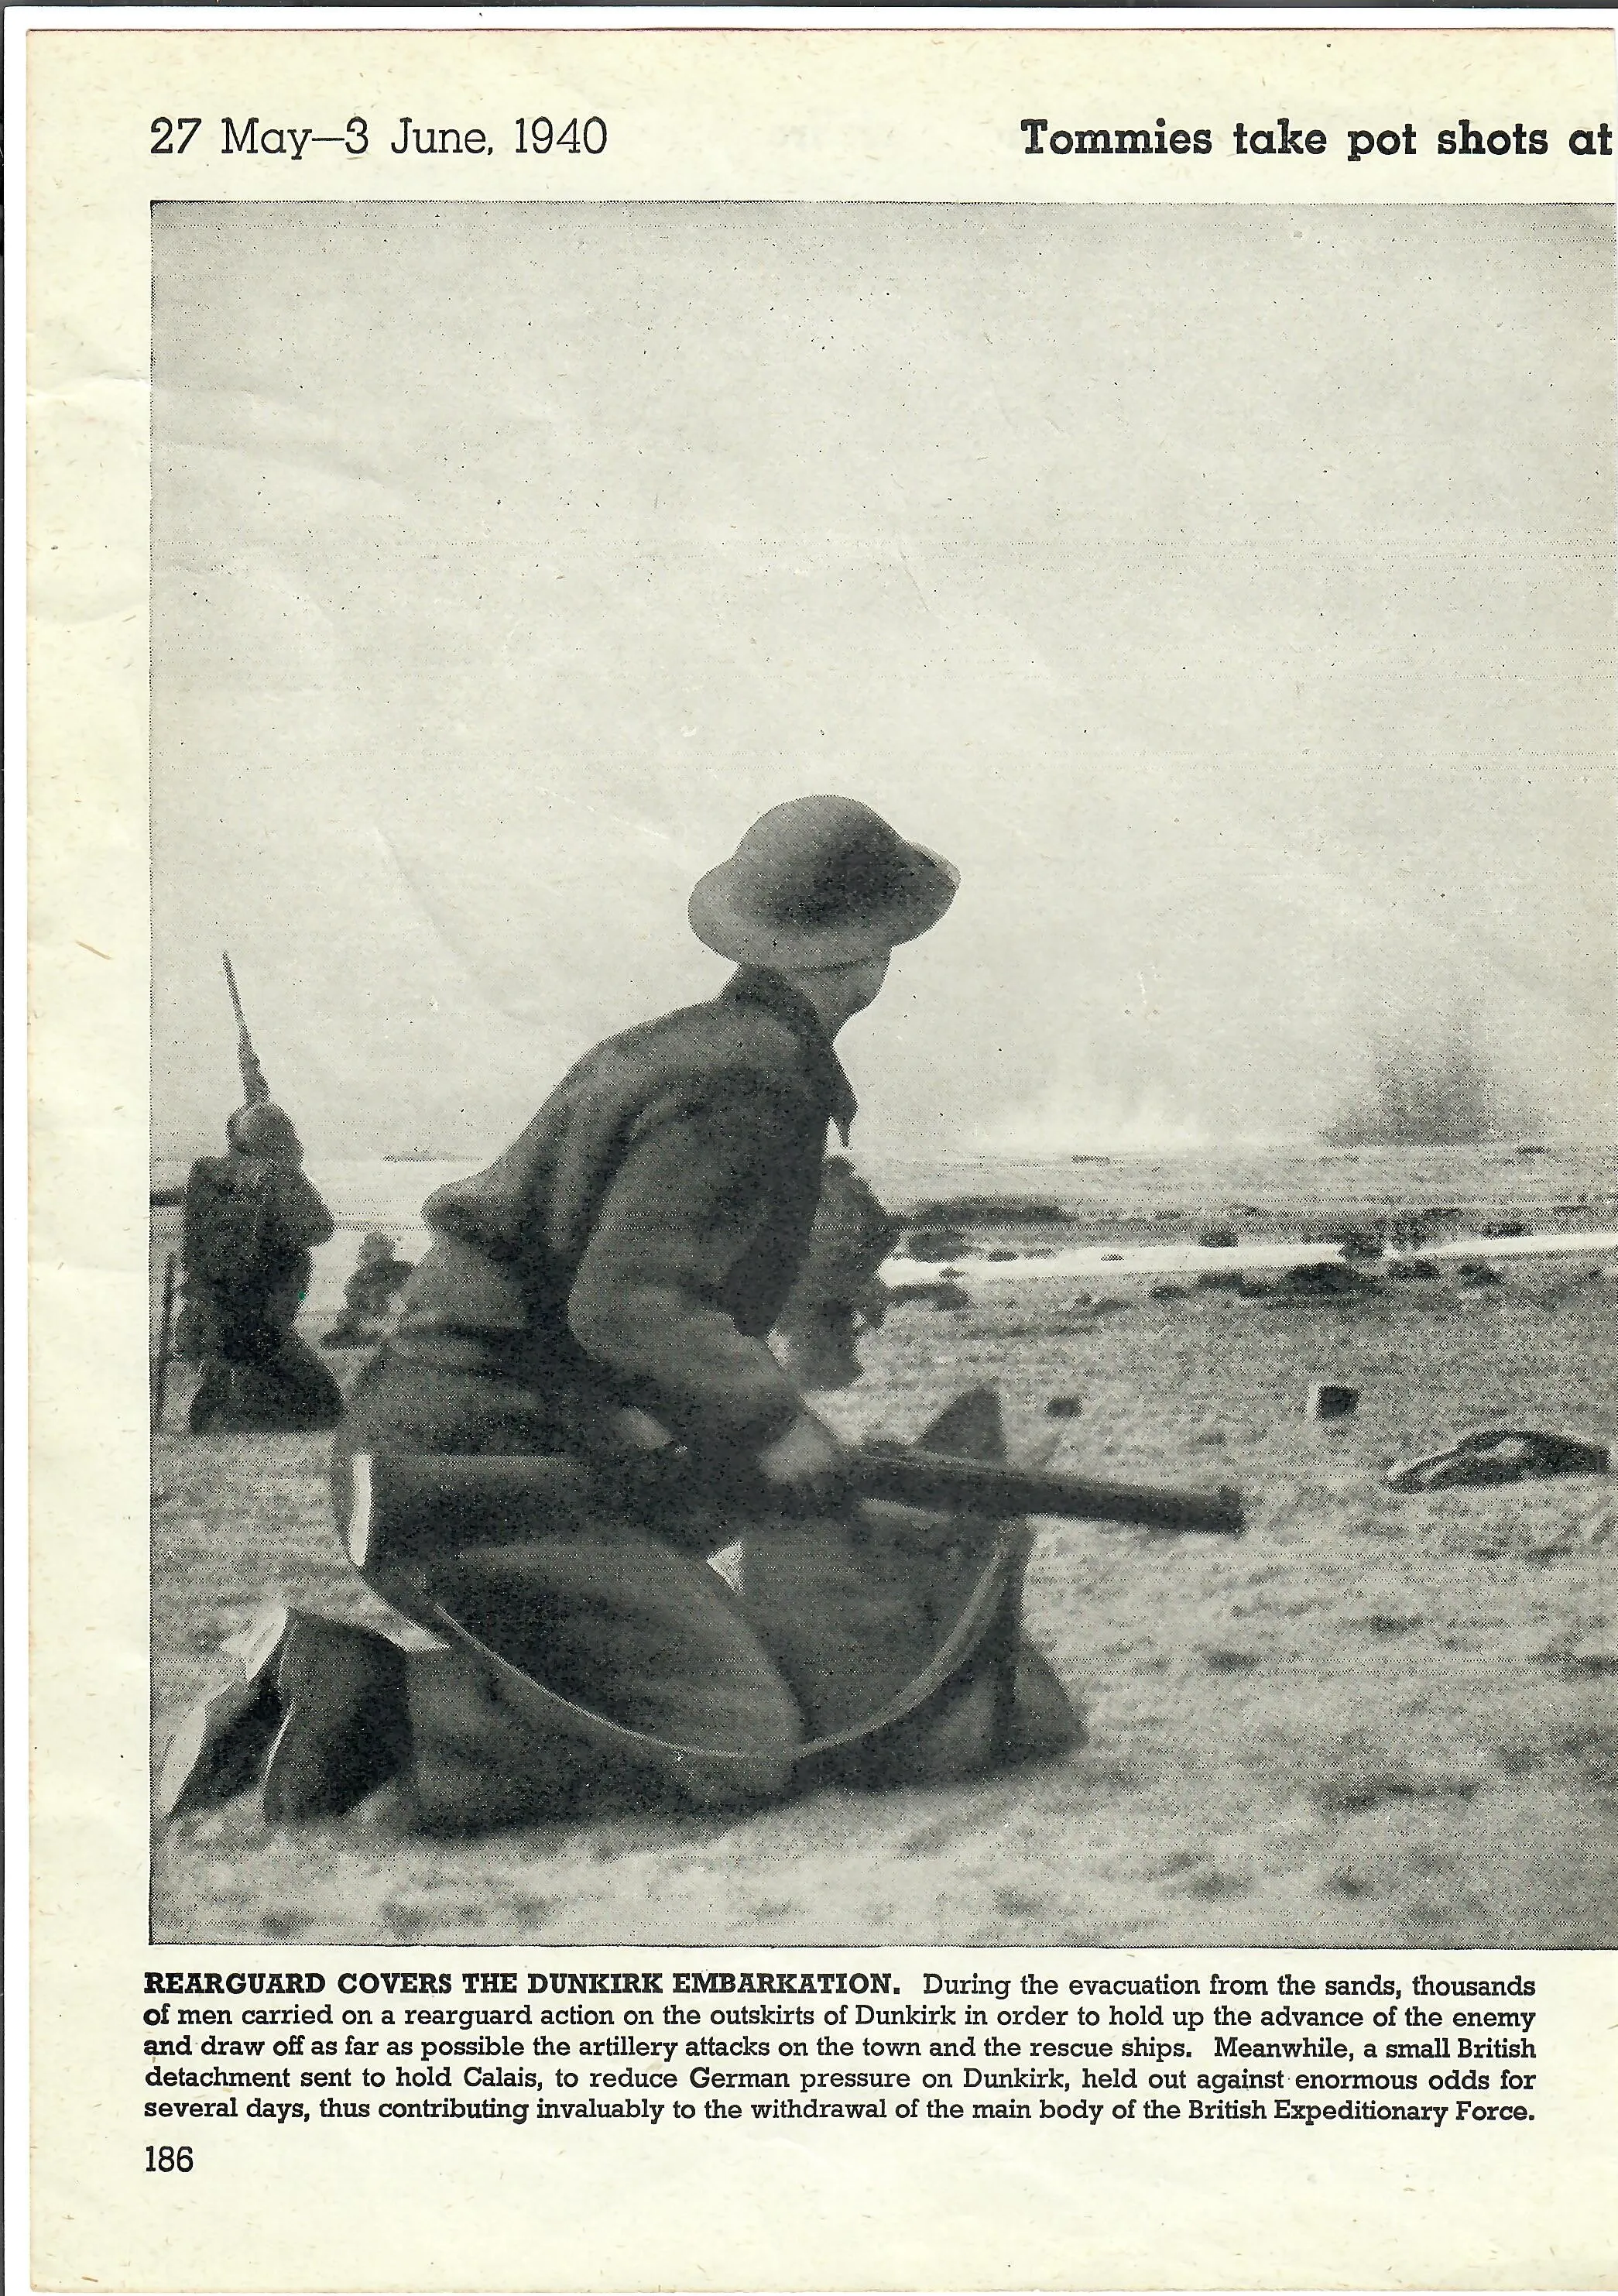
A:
473, 470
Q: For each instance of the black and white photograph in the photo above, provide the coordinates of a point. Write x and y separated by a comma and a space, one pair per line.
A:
814, 961
884, 1204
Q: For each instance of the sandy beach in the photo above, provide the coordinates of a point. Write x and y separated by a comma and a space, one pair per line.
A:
1375, 1719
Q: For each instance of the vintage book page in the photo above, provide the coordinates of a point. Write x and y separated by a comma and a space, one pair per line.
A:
525, 516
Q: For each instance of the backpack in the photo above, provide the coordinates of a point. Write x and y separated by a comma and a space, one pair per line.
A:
223, 1223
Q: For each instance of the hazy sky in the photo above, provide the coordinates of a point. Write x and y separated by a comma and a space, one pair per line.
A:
1226, 591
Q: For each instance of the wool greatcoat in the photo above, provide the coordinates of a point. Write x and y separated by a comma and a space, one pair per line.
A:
638, 1240
613, 1275
249, 1222
615, 1272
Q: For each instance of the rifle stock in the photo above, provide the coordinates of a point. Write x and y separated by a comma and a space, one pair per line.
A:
928, 1478
160, 1370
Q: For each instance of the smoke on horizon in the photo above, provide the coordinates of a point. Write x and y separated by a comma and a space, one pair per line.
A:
1434, 1096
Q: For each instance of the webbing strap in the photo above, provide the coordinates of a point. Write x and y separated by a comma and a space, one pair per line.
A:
550, 1709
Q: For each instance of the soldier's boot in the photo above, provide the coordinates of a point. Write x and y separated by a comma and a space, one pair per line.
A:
217, 1750
344, 1727
314, 1708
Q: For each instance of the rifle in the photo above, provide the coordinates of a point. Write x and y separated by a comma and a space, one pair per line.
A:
253, 1084
911, 1477
442, 1500
159, 1373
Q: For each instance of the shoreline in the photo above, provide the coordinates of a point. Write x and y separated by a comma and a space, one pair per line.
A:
1193, 1259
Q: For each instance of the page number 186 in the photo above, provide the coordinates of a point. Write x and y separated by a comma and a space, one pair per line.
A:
164, 2160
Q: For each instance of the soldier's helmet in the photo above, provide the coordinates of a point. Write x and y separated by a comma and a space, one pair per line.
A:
263, 1129
817, 883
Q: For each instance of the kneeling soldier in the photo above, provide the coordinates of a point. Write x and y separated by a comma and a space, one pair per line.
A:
250, 1217
579, 1407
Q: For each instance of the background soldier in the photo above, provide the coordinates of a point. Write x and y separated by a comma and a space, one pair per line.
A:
250, 1217
369, 1294
840, 1287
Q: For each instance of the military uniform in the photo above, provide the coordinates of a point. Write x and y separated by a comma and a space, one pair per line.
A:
579, 1407
607, 1283
250, 1220
636, 1244
369, 1295
838, 1282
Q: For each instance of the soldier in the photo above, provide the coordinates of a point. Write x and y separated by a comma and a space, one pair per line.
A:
579, 1407
839, 1281
250, 1217
368, 1295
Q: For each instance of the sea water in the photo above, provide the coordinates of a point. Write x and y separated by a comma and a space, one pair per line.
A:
1282, 1202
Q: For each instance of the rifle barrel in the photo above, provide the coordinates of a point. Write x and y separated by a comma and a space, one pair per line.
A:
928, 1478
230, 982
490, 1486
253, 1081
